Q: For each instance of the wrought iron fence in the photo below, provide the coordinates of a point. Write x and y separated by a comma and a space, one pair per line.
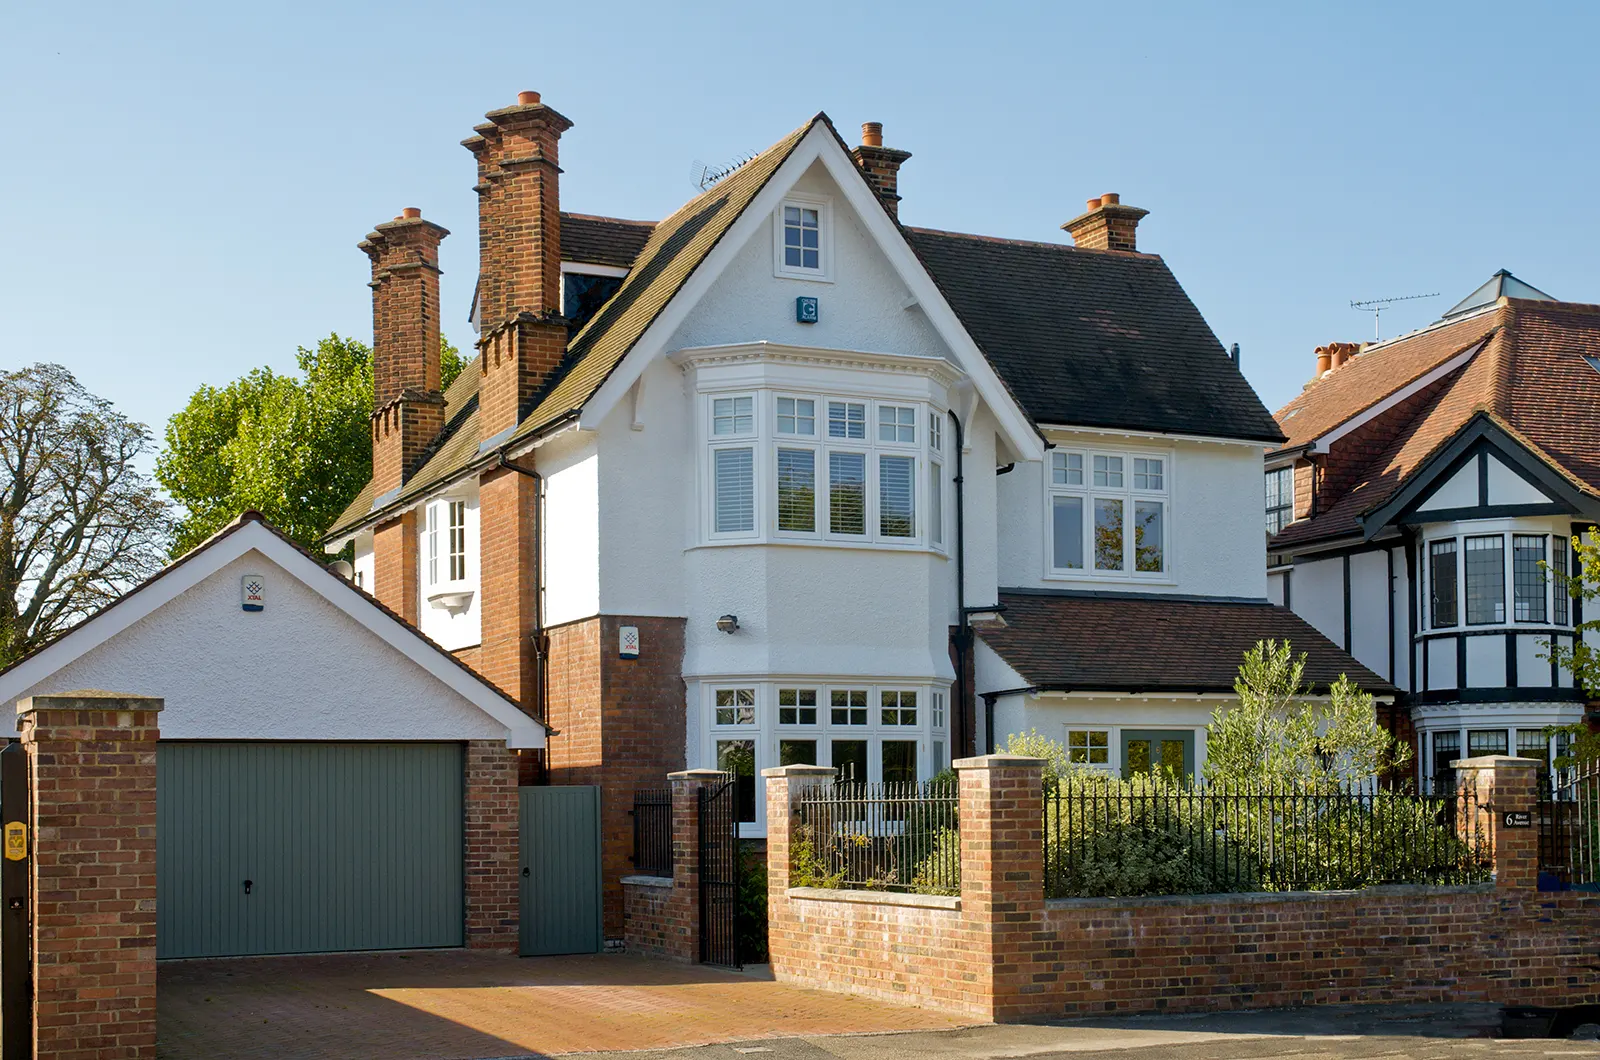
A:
1569, 830
886, 837
1151, 836
652, 832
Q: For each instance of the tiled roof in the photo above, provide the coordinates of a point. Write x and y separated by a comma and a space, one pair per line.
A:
1113, 642
1531, 378
1093, 338
603, 240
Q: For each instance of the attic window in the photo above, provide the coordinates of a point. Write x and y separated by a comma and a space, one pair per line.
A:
802, 239
1594, 361
585, 289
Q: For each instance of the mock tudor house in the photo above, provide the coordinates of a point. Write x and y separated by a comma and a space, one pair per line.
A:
1426, 488
780, 479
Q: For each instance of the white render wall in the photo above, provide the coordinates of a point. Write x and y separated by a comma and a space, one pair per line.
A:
1216, 537
570, 465
465, 629
299, 670
1053, 715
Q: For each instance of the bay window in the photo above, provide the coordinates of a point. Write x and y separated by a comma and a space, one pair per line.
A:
1108, 514
839, 470
1442, 578
1468, 579
1486, 580
1280, 498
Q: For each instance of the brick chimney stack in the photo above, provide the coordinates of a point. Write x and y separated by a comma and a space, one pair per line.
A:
519, 249
408, 407
881, 165
1106, 224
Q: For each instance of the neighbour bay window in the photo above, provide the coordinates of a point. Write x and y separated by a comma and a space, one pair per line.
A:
1108, 513
1280, 498
838, 470
1469, 578
444, 541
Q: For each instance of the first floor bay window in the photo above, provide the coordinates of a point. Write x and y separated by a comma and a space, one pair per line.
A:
1108, 514
1470, 579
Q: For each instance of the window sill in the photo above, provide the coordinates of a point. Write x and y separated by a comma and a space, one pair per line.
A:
789, 542
816, 277
1111, 579
453, 597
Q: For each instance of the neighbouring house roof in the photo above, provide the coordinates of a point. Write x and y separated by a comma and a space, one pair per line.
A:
1532, 378
1084, 337
1093, 338
250, 530
1063, 641
1501, 285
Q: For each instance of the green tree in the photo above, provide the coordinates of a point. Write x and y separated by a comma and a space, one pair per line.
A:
295, 449
79, 523
1277, 732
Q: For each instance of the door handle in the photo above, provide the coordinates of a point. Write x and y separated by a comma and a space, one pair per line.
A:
248, 884
525, 870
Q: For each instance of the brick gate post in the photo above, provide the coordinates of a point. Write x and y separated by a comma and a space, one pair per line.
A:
682, 941
783, 784
492, 835
92, 828
1502, 785
1002, 879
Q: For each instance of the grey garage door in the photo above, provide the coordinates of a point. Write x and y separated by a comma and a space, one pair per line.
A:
289, 847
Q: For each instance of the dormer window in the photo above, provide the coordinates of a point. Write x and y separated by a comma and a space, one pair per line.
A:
585, 289
802, 239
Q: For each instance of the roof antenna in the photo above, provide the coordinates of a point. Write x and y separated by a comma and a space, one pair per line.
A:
703, 176
1376, 306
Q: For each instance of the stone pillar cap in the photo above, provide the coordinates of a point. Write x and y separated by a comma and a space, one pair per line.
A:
697, 774
997, 762
1493, 761
90, 699
801, 771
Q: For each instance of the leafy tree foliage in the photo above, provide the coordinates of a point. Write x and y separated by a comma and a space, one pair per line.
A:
79, 523
295, 449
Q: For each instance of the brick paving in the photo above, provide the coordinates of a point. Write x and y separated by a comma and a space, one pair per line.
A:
462, 1005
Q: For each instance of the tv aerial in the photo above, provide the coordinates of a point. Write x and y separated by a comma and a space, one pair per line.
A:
1376, 306
703, 176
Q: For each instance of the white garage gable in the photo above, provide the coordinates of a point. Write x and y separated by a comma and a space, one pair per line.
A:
319, 660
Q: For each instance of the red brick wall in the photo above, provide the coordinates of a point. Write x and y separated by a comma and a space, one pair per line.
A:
1006, 954
405, 307
493, 866
394, 566
507, 524
92, 759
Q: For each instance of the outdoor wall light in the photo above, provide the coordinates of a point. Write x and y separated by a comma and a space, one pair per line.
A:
728, 623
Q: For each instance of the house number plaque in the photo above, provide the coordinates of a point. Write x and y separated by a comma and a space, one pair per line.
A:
1518, 819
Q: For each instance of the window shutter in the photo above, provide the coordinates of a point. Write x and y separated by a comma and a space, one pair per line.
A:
735, 491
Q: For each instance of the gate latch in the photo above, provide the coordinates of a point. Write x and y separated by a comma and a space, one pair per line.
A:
525, 870
248, 884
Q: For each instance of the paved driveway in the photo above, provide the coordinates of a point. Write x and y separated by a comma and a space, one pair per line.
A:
434, 1004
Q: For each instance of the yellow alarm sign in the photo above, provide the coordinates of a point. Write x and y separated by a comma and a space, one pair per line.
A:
16, 841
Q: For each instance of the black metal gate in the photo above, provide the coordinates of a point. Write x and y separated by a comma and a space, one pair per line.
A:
16, 929
719, 874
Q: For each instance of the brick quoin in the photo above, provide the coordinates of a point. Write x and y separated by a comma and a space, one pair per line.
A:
92, 821
1001, 952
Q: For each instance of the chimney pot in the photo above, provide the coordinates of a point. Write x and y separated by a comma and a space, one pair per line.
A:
1324, 361
1110, 198
410, 212
1106, 224
527, 99
1094, 203
872, 134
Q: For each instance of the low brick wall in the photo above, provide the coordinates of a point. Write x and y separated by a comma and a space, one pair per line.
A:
650, 917
661, 915
1001, 952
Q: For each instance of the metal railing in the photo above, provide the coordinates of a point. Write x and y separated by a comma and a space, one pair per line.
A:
1569, 830
885, 837
652, 832
1153, 836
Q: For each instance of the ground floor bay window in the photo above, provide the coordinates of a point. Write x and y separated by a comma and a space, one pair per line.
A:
873, 731
1443, 738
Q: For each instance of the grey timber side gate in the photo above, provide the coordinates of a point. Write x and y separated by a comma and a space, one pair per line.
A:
560, 840
719, 874
298, 847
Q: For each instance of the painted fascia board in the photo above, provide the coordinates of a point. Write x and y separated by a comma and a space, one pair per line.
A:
1324, 441
1161, 436
523, 731
820, 142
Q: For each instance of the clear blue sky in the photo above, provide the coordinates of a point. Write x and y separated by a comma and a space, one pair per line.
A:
184, 186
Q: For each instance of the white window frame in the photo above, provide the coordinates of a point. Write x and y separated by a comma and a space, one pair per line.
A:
746, 440
824, 208
1128, 494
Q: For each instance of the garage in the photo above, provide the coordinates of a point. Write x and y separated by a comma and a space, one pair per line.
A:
327, 778
291, 847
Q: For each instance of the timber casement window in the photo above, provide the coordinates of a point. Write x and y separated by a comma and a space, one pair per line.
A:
444, 542
1562, 603
837, 470
1089, 746
802, 241
1528, 577
1486, 579
1108, 514
458, 540
1442, 580
1280, 498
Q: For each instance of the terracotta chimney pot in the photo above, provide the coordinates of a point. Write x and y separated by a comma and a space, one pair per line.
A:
1110, 198
872, 134
410, 212
1324, 361
1094, 203
527, 99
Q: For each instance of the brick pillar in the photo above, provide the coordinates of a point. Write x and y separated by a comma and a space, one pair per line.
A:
92, 819
1492, 787
395, 559
1002, 876
493, 854
507, 521
683, 908
784, 785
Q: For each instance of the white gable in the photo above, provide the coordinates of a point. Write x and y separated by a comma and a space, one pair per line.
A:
1458, 491
309, 666
1508, 487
